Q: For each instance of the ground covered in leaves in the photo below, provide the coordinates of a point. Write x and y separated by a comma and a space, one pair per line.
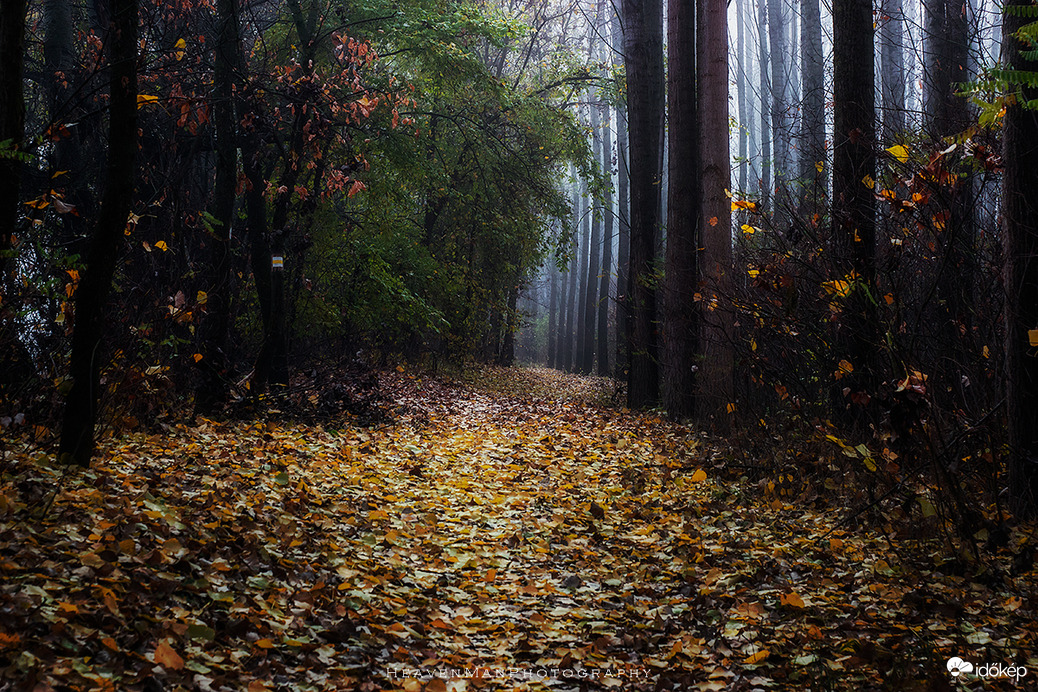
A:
513, 531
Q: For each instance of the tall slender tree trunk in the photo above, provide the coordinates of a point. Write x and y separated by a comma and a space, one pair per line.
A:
81, 404
892, 68
623, 217
765, 109
606, 269
682, 276
553, 302
715, 216
574, 271
580, 300
1020, 226
780, 122
812, 111
587, 361
854, 221
560, 327
643, 53
740, 88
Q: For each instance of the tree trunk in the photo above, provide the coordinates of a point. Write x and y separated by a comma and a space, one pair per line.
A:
945, 62
780, 124
606, 268
572, 302
765, 91
80, 416
1020, 226
215, 326
580, 300
740, 87
854, 221
553, 300
560, 327
679, 323
812, 111
715, 215
892, 68
643, 53
587, 364
12, 128
623, 235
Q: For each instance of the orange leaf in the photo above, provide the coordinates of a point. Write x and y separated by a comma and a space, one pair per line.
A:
166, 657
265, 644
713, 221
792, 599
757, 657
699, 476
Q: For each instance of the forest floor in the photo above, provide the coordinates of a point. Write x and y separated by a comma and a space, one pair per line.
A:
510, 531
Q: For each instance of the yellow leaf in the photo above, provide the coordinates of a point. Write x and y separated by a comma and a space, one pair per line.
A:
743, 204
730, 408
868, 181
265, 644
843, 368
748, 229
899, 152
792, 599
144, 99
197, 357
986, 353
757, 657
201, 297
699, 476
837, 287
162, 245
1032, 336
819, 165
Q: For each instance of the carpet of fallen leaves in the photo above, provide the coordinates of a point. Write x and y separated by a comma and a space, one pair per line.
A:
506, 532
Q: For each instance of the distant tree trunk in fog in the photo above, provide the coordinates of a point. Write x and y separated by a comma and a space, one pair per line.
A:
606, 267
812, 110
560, 326
892, 68
765, 91
580, 303
740, 87
1020, 224
623, 236
678, 351
80, 415
12, 124
780, 122
643, 54
945, 65
854, 218
553, 300
573, 269
716, 384
594, 267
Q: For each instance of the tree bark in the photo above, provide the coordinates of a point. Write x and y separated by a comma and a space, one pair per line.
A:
812, 110
1020, 227
80, 415
715, 215
553, 300
214, 328
892, 68
12, 127
765, 91
854, 223
623, 234
643, 53
606, 269
682, 277
580, 300
780, 122
594, 267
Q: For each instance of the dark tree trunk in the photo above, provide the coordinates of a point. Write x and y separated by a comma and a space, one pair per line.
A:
945, 65
214, 328
716, 384
643, 52
780, 121
560, 327
854, 221
1020, 225
12, 127
682, 277
587, 364
572, 303
80, 416
892, 68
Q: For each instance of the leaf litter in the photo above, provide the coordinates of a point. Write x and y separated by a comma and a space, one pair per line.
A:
509, 531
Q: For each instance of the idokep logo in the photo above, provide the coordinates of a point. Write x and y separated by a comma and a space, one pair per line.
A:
958, 667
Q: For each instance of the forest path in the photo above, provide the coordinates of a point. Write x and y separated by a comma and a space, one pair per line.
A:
509, 533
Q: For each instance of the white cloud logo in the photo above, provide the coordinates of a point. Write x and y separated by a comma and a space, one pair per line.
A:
956, 666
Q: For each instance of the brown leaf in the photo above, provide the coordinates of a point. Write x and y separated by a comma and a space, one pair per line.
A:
166, 657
